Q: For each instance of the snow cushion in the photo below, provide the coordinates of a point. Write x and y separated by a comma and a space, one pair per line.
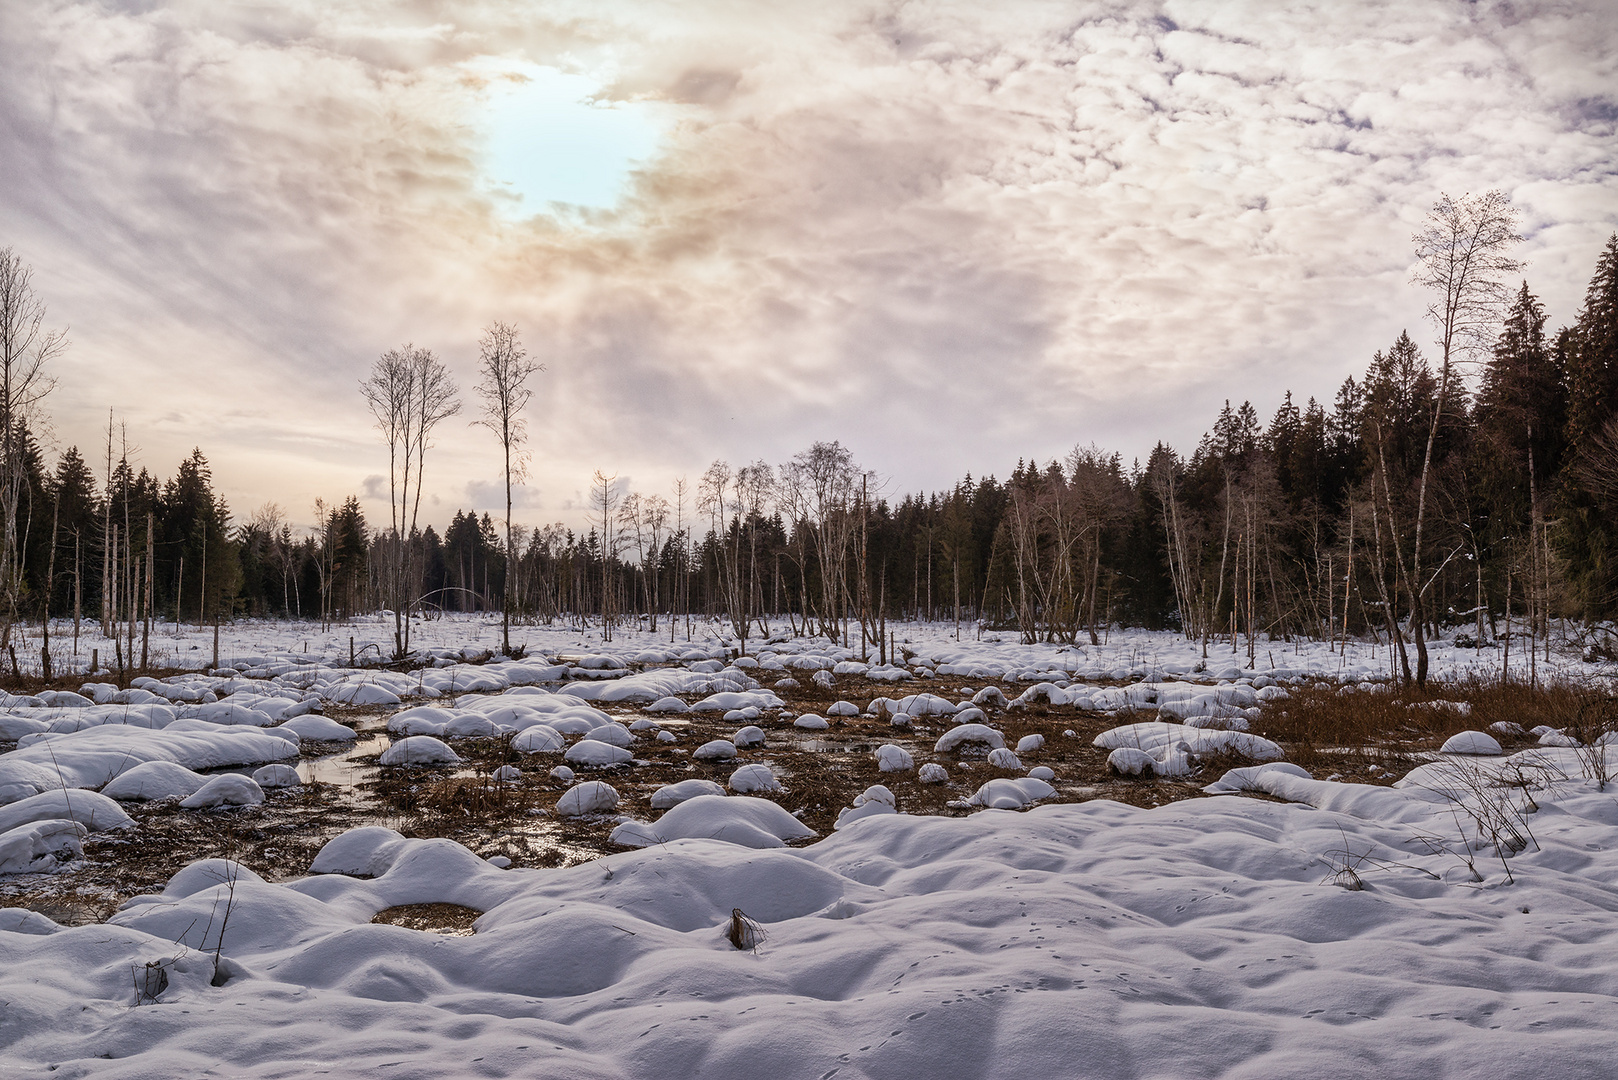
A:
318, 729
753, 778
754, 823
420, 750
590, 752
590, 797
969, 733
891, 758
1011, 794
672, 795
1470, 742
716, 750
151, 781
231, 789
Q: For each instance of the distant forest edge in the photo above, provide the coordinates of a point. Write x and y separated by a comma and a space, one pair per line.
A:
1473, 493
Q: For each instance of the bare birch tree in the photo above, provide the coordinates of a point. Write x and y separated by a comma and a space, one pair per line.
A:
505, 369
1463, 256
26, 348
410, 393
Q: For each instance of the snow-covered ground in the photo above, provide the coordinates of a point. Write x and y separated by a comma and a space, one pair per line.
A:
932, 646
1210, 937
1201, 939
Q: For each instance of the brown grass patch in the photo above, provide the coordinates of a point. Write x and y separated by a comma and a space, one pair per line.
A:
451, 920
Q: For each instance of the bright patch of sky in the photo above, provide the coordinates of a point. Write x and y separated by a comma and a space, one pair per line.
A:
551, 140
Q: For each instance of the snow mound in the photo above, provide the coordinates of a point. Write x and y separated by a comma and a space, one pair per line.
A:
932, 773
1128, 761
1246, 777
1004, 759
590, 797
613, 734
751, 735
1159, 739
1470, 742
754, 778
671, 795
96, 812
874, 801
364, 852
151, 781
40, 847
1011, 794
231, 789
753, 823
277, 776
420, 750
715, 750
538, 739
318, 729
1029, 743
969, 733
590, 752
811, 722
891, 758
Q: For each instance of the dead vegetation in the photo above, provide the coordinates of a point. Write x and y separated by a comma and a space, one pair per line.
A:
1368, 737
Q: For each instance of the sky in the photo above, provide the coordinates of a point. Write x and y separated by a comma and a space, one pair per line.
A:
949, 235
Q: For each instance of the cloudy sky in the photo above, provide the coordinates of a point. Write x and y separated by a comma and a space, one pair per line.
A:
948, 234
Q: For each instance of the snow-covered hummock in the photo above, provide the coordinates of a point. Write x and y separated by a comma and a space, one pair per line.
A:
1011, 794
590, 797
419, 750
873, 801
152, 781
1131, 761
671, 795
590, 752
932, 773
752, 823
1004, 759
538, 739
1167, 743
751, 735
969, 733
715, 750
811, 722
891, 758
91, 756
277, 776
1470, 742
924, 705
615, 734
842, 708
1029, 743
230, 789
756, 777
318, 728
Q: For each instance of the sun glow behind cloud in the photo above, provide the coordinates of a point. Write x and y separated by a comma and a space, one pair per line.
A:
552, 141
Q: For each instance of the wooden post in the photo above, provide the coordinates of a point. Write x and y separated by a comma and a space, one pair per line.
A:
95, 660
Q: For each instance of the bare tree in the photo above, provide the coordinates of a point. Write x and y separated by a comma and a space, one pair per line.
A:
604, 497
410, 393
1462, 255
505, 368
26, 347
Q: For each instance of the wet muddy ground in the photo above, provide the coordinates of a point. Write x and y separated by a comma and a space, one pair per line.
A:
822, 772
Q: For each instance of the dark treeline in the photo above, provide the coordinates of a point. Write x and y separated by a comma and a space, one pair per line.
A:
1416, 503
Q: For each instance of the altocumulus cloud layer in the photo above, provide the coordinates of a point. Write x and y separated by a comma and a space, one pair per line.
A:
949, 235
